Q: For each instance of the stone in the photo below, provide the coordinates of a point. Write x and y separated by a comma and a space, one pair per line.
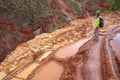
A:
12, 68
45, 55
2, 75
16, 79
24, 74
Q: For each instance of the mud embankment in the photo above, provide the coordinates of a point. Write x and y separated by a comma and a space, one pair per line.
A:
115, 49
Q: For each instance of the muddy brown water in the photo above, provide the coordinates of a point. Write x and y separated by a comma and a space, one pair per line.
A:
50, 71
70, 50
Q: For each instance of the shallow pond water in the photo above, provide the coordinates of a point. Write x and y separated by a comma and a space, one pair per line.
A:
70, 50
116, 42
49, 71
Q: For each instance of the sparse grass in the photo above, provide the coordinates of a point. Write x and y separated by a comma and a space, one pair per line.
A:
75, 5
18, 36
43, 10
114, 5
62, 18
33, 10
51, 28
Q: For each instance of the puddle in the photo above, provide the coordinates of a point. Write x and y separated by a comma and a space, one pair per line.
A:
116, 42
50, 71
70, 50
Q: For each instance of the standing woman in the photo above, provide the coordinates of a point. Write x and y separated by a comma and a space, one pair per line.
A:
97, 26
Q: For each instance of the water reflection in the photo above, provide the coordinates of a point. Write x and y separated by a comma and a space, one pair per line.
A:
50, 71
70, 50
116, 41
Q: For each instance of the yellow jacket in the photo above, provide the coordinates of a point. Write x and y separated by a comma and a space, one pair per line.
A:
97, 22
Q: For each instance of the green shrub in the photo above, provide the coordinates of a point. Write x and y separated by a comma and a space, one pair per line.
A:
114, 5
75, 5
40, 9
43, 10
51, 28
18, 36
62, 18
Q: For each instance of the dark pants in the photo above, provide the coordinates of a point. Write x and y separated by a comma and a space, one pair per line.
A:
96, 34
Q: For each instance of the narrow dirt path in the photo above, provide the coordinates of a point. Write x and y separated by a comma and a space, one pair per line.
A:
92, 64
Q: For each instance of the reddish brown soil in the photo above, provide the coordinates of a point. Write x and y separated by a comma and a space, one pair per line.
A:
8, 40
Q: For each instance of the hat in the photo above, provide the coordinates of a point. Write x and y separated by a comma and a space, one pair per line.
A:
98, 12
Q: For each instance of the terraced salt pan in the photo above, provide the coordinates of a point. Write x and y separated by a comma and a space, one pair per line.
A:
70, 50
49, 71
24, 74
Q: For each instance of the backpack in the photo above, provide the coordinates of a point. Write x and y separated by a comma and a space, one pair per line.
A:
101, 22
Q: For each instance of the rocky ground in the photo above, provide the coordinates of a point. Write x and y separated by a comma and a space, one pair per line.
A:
59, 53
